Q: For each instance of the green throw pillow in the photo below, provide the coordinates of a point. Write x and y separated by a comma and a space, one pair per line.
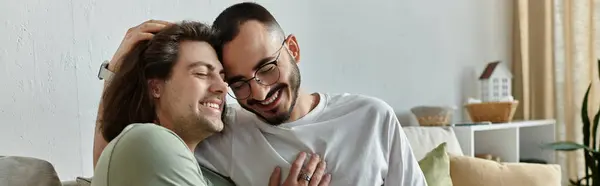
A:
436, 167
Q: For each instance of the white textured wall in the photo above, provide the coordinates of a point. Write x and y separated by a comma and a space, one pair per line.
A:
407, 52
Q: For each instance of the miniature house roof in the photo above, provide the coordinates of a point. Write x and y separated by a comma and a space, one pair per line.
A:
494, 69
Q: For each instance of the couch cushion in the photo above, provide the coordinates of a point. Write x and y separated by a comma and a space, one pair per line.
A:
27, 171
470, 171
436, 167
80, 181
424, 139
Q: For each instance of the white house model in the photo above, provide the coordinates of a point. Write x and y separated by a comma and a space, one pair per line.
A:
495, 82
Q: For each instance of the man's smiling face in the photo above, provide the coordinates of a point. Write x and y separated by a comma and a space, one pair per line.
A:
261, 71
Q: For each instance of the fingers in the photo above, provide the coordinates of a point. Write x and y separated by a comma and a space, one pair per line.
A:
159, 22
143, 32
275, 178
151, 27
319, 174
139, 36
311, 166
297, 166
325, 181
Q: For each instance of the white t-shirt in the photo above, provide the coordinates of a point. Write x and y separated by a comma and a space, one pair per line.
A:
359, 137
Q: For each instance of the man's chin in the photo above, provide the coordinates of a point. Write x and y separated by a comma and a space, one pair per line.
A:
212, 124
273, 118
277, 119
216, 126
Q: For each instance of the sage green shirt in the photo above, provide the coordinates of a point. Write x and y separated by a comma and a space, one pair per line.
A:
148, 155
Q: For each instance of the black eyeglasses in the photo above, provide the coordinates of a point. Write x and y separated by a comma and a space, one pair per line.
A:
268, 74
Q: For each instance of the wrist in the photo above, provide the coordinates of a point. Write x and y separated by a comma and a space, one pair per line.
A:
111, 66
114, 63
105, 71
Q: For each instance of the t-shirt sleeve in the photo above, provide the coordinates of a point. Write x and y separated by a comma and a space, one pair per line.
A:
152, 155
403, 167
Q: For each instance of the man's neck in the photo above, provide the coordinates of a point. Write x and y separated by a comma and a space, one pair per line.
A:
192, 145
190, 140
304, 104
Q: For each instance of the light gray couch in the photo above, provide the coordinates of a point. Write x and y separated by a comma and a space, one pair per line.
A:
28, 171
421, 139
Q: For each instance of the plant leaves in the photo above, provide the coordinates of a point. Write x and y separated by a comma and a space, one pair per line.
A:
575, 182
595, 130
568, 146
594, 156
589, 164
579, 181
586, 132
585, 118
597, 117
564, 146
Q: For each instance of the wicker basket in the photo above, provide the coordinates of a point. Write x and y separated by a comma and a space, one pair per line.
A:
495, 112
432, 115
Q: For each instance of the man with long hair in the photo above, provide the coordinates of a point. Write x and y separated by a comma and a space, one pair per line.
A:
167, 96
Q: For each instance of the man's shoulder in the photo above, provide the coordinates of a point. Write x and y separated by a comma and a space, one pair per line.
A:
146, 127
153, 153
237, 115
147, 131
147, 137
357, 101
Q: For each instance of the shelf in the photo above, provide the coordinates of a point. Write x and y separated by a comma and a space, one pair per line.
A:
512, 141
514, 124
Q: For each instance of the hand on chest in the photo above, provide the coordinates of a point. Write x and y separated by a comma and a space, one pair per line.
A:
351, 156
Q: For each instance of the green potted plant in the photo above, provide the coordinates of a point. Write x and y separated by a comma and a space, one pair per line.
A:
589, 146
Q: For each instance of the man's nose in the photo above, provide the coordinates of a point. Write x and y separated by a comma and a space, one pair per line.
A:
259, 91
219, 86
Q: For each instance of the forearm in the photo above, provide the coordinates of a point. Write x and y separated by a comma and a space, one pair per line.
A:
134, 35
99, 141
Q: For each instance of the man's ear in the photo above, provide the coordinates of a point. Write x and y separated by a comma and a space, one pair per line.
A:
293, 47
155, 87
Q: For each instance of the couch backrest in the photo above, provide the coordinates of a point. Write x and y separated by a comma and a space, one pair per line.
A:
27, 171
424, 139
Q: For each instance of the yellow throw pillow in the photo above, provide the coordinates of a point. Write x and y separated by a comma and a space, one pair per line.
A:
436, 167
471, 171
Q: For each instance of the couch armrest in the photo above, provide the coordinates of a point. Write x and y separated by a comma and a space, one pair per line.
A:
80, 181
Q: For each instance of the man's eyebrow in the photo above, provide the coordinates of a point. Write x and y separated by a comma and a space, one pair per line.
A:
202, 63
256, 67
262, 62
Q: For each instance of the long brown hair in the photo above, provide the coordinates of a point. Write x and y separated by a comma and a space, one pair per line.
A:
127, 98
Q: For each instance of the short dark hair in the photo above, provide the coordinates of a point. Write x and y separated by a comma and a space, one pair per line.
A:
227, 24
127, 98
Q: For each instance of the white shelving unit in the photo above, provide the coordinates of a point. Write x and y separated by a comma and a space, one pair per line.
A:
511, 141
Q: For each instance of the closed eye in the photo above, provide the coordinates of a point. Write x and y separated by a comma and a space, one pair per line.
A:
201, 74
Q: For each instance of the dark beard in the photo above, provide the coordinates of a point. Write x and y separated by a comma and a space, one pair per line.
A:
295, 80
